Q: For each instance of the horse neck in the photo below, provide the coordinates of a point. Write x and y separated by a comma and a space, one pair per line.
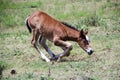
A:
72, 35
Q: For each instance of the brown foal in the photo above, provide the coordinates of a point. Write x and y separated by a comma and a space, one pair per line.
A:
44, 26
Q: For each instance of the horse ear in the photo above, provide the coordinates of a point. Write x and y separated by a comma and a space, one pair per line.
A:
86, 32
81, 32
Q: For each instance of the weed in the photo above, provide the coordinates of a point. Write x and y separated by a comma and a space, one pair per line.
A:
3, 65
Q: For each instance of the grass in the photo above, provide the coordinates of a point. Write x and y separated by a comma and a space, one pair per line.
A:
17, 53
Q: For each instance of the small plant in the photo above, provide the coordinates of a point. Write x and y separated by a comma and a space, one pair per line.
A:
3, 65
30, 75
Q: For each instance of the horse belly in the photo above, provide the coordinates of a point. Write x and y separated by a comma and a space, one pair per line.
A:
48, 35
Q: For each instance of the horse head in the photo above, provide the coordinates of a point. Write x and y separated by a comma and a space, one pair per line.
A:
84, 42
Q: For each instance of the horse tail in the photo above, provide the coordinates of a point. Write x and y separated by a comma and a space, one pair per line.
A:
28, 26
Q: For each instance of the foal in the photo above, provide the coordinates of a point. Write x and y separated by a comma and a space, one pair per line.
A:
44, 26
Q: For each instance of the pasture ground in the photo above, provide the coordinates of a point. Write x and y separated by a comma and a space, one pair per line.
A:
20, 61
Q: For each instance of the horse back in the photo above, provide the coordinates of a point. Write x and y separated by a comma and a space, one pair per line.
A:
48, 26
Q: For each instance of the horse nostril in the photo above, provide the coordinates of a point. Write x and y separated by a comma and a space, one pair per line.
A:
90, 52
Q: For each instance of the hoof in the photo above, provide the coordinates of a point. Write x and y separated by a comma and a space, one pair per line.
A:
47, 60
55, 58
58, 60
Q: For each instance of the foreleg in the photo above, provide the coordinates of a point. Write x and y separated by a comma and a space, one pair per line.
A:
66, 46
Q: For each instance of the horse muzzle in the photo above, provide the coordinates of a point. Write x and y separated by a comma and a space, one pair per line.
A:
89, 51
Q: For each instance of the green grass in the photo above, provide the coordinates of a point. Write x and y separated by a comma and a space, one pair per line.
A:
16, 51
19, 12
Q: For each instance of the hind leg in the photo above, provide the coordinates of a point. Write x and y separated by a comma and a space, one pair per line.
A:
42, 41
34, 42
66, 45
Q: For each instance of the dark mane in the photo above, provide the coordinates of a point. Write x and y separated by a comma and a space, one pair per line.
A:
68, 25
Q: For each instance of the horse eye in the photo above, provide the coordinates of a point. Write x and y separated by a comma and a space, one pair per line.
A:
84, 41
